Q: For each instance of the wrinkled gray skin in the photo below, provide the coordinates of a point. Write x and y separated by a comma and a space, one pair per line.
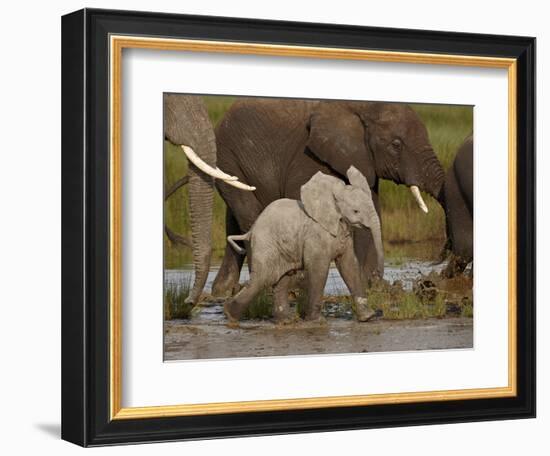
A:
457, 200
306, 235
278, 145
186, 122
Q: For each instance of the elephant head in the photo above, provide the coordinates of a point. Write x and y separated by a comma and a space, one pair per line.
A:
327, 200
186, 123
383, 140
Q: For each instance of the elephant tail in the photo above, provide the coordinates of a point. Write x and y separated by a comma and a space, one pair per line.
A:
238, 237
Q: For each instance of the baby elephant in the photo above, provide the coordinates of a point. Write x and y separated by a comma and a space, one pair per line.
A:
307, 235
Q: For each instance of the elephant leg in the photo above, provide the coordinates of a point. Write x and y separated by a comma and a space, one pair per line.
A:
348, 267
281, 307
235, 306
460, 227
317, 267
243, 209
230, 270
456, 266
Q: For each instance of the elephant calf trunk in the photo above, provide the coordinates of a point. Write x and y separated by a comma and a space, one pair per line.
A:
376, 232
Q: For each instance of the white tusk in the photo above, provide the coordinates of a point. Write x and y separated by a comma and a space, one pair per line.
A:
418, 197
214, 172
205, 167
240, 185
227, 177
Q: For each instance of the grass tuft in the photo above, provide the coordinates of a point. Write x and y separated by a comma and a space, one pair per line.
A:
261, 306
301, 301
467, 308
175, 306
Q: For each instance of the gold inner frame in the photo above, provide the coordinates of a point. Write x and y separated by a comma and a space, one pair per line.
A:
117, 44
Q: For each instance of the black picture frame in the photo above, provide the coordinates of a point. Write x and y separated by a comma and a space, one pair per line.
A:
85, 225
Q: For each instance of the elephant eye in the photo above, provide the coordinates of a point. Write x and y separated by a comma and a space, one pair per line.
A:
396, 144
355, 211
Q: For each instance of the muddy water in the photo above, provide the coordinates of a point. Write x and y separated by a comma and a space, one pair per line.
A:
207, 336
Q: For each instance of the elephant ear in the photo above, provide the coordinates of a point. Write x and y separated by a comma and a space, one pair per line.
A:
357, 179
337, 137
318, 199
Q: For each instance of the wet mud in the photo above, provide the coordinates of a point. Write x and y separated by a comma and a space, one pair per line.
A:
208, 340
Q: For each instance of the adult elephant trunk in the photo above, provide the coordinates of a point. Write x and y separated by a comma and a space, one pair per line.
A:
201, 205
432, 177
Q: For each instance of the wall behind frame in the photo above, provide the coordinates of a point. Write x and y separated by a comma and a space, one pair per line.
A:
30, 232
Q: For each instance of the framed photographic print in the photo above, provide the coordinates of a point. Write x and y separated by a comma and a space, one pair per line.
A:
275, 227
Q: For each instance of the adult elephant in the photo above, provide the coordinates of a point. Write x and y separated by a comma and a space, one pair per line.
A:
457, 200
278, 145
186, 124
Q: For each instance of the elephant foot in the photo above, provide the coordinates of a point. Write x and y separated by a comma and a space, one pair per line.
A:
362, 310
231, 315
281, 313
233, 325
456, 266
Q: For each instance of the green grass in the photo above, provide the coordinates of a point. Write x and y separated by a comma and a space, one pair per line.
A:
432, 297
407, 231
174, 301
467, 308
261, 306
398, 304
301, 302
